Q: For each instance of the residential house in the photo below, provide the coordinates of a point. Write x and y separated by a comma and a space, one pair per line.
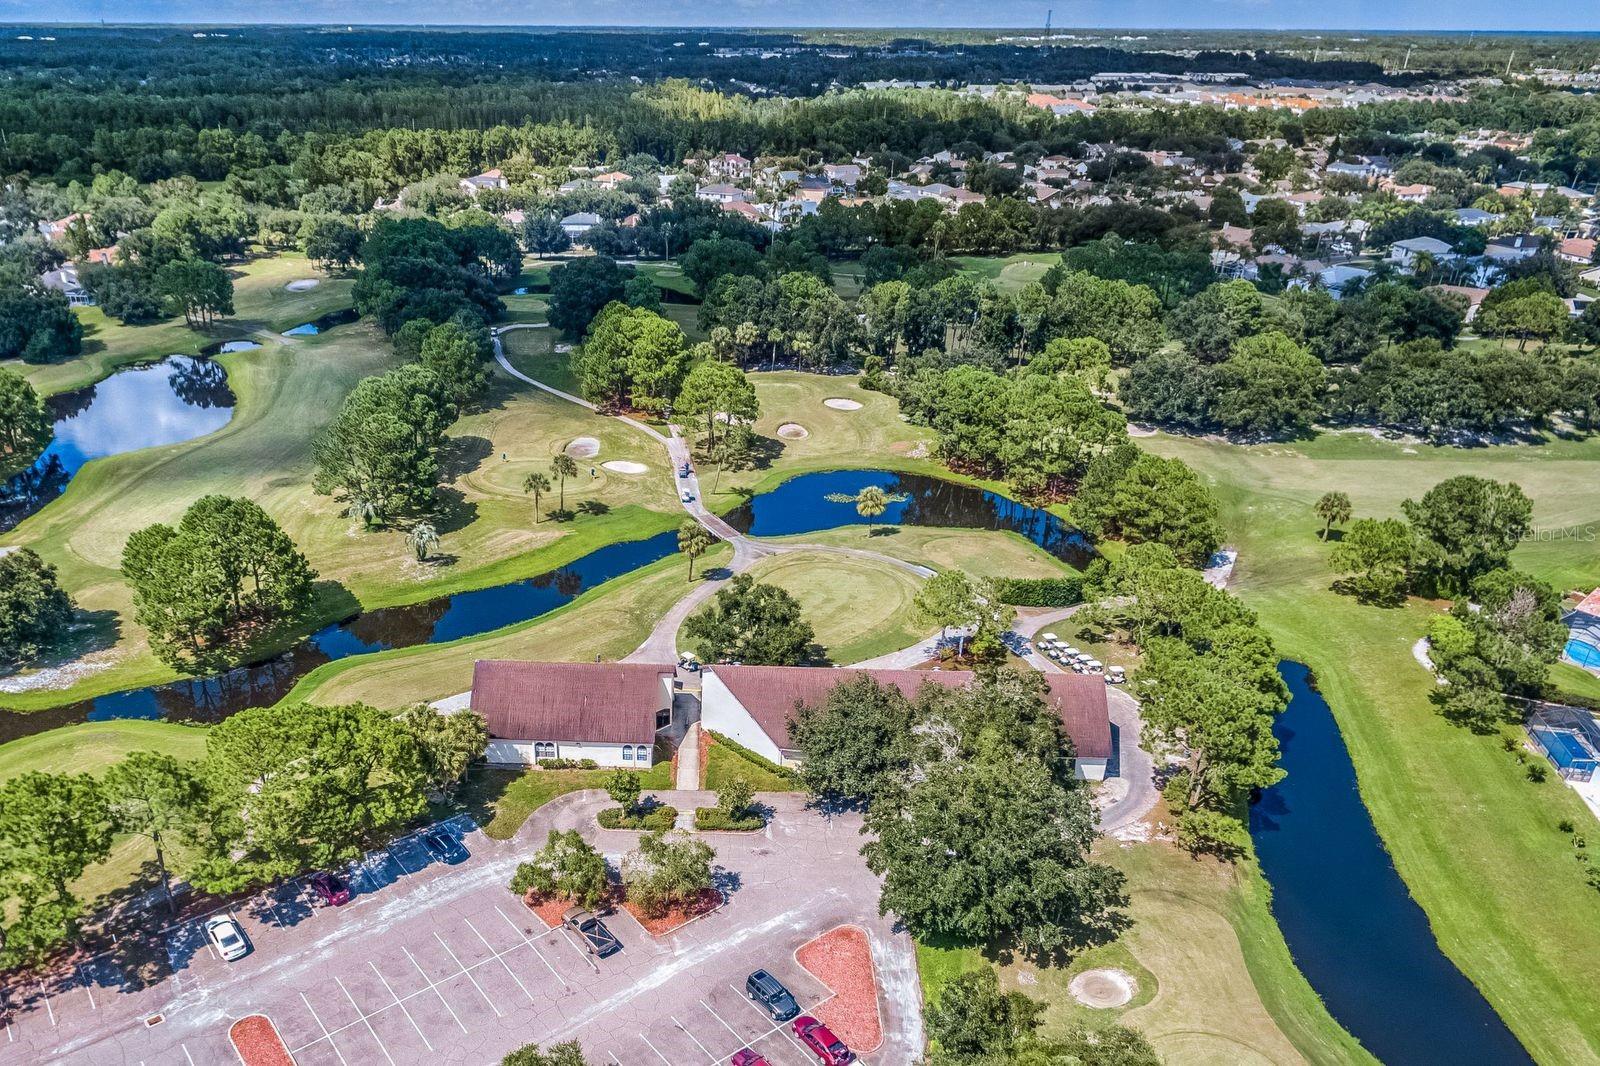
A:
1474, 295
1404, 253
1472, 216
1336, 278
1577, 250
730, 165
611, 179
753, 705
846, 175
722, 193
578, 224
489, 179
608, 712
1512, 247
1414, 193
65, 281
57, 229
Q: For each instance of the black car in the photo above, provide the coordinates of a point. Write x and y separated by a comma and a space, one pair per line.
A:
444, 847
768, 991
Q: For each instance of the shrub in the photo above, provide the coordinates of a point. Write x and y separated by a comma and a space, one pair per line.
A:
1212, 831
717, 819
1176, 793
567, 764
1566, 826
734, 797
1041, 591
657, 819
1537, 772
760, 760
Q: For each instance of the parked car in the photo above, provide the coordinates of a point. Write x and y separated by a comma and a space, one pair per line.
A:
768, 991
686, 496
331, 889
444, 847
745, 1057
226, 936
684, 470
820, 1041
596, 937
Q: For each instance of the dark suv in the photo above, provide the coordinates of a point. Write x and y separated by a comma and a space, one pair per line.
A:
768, 991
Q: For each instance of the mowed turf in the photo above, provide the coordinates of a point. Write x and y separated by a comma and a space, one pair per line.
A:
859, 608
286, 393
979, 552
1476, 842
261, 302
609, 621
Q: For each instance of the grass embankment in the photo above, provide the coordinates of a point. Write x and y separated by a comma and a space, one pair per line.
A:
261, 304
503, 800
1216, 984
859, 608
286, 393
610, 621
980, 552
1467, 831
725, 762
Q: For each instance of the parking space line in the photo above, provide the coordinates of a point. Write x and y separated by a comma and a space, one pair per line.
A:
47, 1008
685, 1031
614, 1058
389, 851
398, 1002
533, 948
87, 987
492, 1004
506, 965
430, 982
652, 1047
325, 1034
562, 934
186, 1054
365, 1018
721, 1019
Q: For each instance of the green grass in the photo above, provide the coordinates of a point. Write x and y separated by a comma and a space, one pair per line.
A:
286, 392
532, 351
261, 305
1008, 273
1216, 984
609, 620
724, 762
93, 746
980, 552
1466, 829
859, 608
503, 800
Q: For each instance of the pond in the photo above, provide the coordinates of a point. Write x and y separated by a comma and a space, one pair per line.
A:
796, 506
1350, 922
800, 505
323, 324
175, 400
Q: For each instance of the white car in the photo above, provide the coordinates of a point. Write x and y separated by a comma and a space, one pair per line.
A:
686, 496
226, 936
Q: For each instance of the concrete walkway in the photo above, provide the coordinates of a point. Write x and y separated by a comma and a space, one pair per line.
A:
688, 778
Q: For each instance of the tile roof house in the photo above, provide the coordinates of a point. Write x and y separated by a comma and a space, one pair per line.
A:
753, 705
1577, 250
608, 712
489, 179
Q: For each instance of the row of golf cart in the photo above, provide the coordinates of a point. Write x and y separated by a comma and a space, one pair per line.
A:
1079, 662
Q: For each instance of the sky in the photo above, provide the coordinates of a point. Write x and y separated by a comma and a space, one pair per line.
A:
1263, 14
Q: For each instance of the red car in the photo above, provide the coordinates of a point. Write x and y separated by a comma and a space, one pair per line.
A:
745, 1057
331, 889
829, 1049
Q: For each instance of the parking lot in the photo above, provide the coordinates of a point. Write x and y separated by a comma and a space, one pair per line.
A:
434, 963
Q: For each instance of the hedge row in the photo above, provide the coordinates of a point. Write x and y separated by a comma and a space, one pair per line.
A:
1041, 591
716, 818
762, 761
656, 820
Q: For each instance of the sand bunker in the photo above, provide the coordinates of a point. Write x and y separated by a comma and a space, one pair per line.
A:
584, 448
839, 404
625, 466
1103, 989
303, 284
793, 431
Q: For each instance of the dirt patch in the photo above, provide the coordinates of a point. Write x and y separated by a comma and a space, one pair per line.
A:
63, 676
842, 960
583, 448
1104, 988
303, 285
793, 431
677, 917
256, 1040
625, 466
840, 404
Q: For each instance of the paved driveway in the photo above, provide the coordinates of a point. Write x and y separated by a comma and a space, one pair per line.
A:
437, 964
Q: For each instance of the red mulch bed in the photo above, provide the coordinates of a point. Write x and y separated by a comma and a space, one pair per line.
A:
842, 959
548, 909
705, 757
678, 917
256, 1040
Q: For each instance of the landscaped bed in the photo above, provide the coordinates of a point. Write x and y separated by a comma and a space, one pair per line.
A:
842, 960
256, 1040
677, 917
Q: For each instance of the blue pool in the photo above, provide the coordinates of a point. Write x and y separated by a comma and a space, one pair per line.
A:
1583, 653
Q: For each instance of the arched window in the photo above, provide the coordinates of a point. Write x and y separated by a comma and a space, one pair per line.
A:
544, 750
627, 753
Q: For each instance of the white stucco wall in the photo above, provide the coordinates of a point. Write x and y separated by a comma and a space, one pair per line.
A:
520, 753
1089, 769
721, 712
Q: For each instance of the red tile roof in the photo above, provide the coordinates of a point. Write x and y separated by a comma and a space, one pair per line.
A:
771, 694
597, 703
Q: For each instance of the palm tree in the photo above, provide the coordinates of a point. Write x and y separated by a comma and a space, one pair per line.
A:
694, 540
423, 538
538, 484
1334, 509
870, 502
564, 466
1423, 265
364, 510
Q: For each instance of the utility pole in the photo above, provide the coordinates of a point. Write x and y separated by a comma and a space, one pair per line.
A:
1048, 15
1509, 58
1407, 64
